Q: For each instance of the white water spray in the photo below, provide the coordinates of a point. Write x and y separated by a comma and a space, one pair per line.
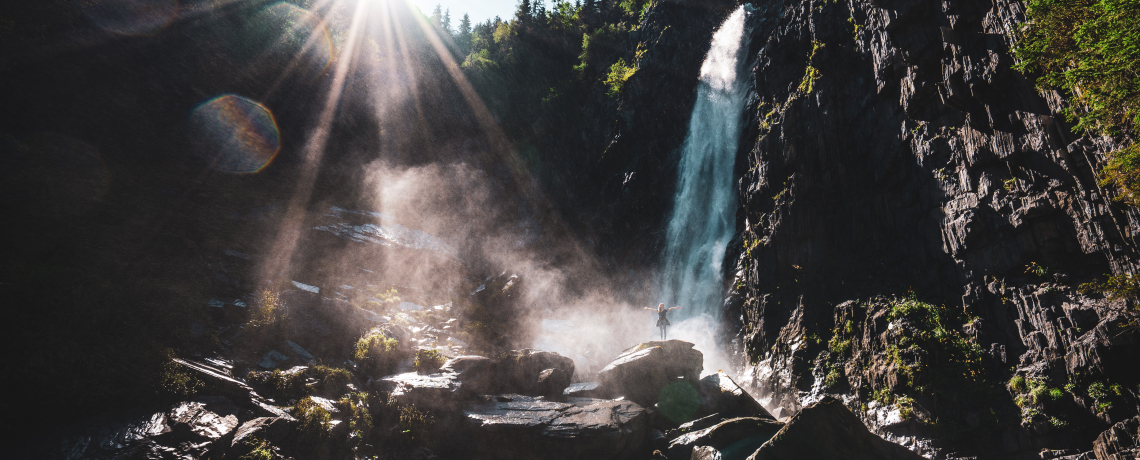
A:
704, 209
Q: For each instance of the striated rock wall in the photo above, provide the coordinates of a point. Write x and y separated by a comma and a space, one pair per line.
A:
892, 151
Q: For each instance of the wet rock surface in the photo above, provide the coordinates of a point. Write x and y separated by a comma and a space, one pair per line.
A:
516, 426
735, 435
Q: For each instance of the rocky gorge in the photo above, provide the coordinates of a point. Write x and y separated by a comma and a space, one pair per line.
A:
912, 235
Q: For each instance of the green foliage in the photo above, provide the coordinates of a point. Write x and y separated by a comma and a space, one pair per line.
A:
377, 354
1058, 422
906, 407
943, 354
1056, 394
259, 449
1116, 287
884, 396
1090, 49
176, 381
838, 346
833, 378
279, 384
619, 73
355, 408
1035, 269
1098, 391
314, 419
1017, 384
1122, 171
428, 361
414, 424
268, 310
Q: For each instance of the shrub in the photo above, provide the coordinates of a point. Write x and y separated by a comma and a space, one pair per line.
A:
279, 385
906, 407
377, 354
268, 310
428, 361
259, 449
353, 405
619, 73
832, 378
1126, 286
1055, 393
1087, 48
329, 379
414, 424
176, 381
1098, 391
1017, 384
314, 419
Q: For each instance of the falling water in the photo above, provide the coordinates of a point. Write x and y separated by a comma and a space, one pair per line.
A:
704, 209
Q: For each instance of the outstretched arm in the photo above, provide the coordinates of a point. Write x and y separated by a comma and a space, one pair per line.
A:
647, 308
674, 308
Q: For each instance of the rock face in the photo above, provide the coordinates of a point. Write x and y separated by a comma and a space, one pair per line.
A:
723, 396
730, 435
639, 373
889, 147
1121, 442
520, 427
827, 430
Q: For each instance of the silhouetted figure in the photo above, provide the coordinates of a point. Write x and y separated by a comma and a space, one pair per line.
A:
662, 321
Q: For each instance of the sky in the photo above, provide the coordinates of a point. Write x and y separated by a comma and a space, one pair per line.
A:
480, 10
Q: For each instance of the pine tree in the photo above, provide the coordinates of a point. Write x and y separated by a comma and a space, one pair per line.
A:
445, 23
463, 38
436, 15
524, 12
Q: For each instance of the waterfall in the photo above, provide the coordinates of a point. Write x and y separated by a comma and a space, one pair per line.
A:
704, 207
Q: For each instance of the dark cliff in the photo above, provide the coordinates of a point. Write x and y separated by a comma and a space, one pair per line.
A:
915, 219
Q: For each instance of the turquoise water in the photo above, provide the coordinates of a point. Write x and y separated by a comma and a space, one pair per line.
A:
704, 209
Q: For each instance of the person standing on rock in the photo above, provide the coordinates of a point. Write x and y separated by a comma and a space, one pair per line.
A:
662, 321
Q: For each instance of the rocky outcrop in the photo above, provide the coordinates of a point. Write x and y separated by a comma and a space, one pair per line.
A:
729, 438
890, 148
827, 430
515, 426
641, 372
1121, 442
533, 372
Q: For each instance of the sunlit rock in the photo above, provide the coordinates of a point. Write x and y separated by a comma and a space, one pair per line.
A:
435, 391
733, 435
641, 372
524, 427
476, 373
721, 395
520, 371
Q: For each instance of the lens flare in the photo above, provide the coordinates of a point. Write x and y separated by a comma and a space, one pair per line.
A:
284, 35
234, 134
130, 17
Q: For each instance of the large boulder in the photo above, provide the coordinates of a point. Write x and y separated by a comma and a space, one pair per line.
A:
826, 430
435, 391
525, 427
475, 373
525, 372
1120, 442
735, 437
641, 372
721, 395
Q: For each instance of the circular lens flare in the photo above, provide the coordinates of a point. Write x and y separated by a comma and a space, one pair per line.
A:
235, 134
130, 17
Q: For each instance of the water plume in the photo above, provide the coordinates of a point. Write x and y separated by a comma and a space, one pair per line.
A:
704, 210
